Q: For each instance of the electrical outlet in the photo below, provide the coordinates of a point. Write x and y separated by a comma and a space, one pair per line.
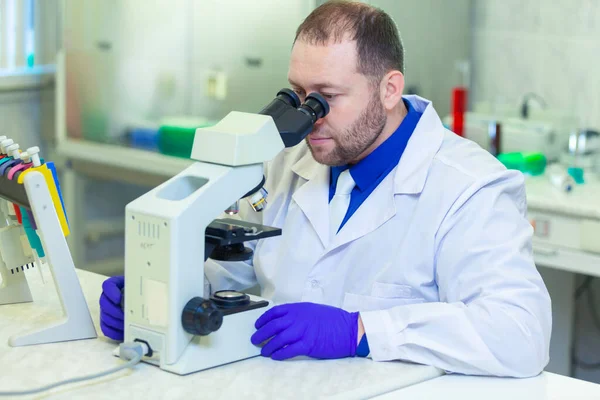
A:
216, 85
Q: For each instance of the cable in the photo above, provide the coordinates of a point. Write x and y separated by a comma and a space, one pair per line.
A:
133, 352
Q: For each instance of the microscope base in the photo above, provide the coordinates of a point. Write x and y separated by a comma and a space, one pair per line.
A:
229, 344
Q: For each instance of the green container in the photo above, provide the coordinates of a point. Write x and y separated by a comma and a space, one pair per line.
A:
528, 163
94, 126
176, 135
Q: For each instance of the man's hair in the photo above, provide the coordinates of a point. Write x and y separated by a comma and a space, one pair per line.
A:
378, 44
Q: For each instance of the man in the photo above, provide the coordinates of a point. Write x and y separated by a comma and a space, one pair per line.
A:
400, 240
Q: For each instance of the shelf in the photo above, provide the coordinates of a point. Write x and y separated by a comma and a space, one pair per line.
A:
122, 158
579, 262
26, 78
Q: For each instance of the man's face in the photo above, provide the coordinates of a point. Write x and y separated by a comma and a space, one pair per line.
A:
357, 116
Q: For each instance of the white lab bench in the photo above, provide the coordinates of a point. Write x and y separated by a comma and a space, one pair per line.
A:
546, 386
354, 378
566, 242
34, 366
567, 238
567, 225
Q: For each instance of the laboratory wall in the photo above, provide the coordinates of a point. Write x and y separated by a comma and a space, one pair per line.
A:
550, 48
547, 47
129, 65
28, 116
437, 39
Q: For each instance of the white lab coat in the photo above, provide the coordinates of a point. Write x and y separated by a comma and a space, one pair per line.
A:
438, 259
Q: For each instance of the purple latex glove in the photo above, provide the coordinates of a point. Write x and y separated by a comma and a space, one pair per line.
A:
307, 329
111, 314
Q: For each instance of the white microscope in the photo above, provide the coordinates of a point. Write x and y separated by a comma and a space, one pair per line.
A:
172, 230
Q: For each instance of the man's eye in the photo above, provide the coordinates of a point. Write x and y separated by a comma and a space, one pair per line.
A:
328, 96
299, 92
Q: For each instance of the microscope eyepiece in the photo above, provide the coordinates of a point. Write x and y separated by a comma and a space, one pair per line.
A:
294, 119
289, 96
285, 99
315, 106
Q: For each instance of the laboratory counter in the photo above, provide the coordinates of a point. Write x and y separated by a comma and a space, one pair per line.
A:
567, 224
546, 386
259, 377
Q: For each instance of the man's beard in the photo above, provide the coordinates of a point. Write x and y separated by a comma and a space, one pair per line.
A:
354, 140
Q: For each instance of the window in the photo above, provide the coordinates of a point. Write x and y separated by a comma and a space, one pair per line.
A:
24, 29
28, 43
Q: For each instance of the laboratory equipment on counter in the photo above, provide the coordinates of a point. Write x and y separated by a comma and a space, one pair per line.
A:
583, 151
25, 163
12, 155
560, 179
176, 135
16, 254
33, 192
459, 100
577, 174
544, 135
528, 163
143, 138
459, 108
3, 145
171, 230
525, 103
15, 257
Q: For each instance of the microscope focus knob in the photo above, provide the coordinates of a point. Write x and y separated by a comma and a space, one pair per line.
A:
201, 317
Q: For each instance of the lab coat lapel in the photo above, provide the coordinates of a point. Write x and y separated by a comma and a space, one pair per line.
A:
313, 196
408, 178
422, 147
379, 207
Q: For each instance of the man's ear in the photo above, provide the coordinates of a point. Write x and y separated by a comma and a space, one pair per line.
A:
391, 89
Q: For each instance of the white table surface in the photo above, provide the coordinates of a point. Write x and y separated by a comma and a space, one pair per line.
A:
581, 202
31, 367
546, 386
541, 196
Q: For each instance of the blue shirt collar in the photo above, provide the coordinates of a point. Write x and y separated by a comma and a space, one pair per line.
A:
369, 170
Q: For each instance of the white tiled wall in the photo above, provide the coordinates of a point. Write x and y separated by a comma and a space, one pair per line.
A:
550, 47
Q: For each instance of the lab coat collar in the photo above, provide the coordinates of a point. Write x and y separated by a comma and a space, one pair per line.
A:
306, 167
409, 178
413, 167
422, 147
313, 196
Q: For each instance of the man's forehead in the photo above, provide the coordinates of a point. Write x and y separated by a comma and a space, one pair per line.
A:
318, 83
322, 65
344, 48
